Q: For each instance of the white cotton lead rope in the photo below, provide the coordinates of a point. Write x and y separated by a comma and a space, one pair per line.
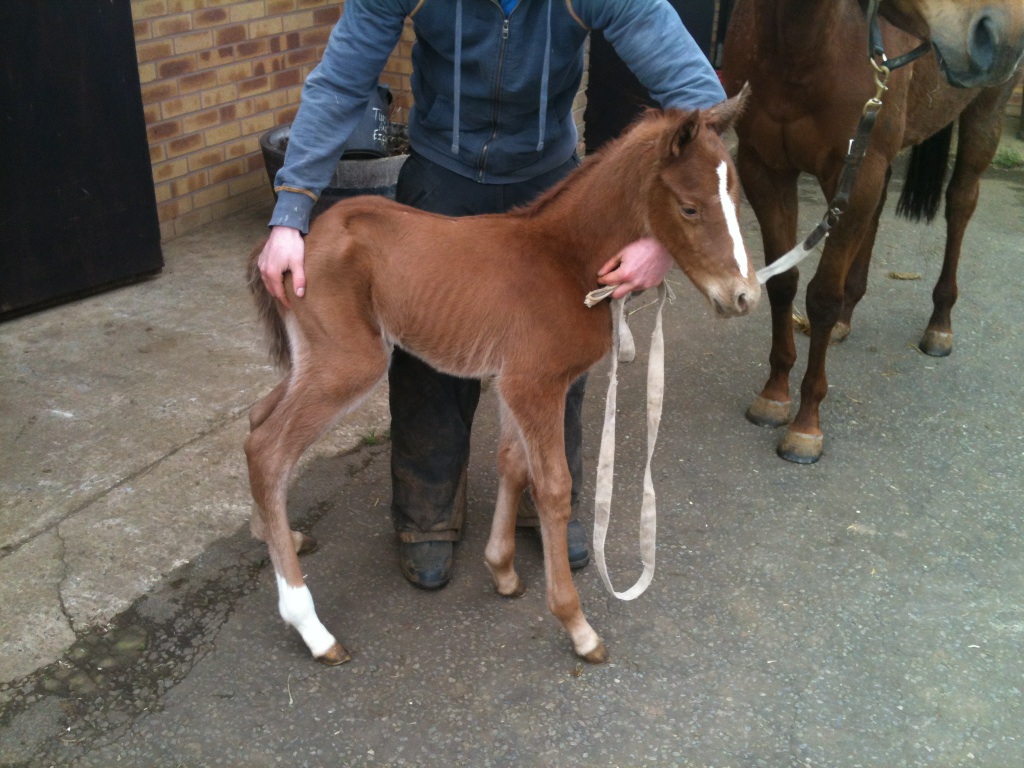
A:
606, 459
786, 261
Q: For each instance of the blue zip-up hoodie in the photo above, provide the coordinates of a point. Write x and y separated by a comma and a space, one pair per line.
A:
493, 92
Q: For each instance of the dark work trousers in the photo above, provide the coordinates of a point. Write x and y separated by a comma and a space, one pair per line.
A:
432, 412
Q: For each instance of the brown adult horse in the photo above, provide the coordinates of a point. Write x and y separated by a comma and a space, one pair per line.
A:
489, 296
807, 63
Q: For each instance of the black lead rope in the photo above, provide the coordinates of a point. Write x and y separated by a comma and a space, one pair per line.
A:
875, 50
858, 145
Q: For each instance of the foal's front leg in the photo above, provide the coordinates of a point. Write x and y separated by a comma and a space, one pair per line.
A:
540, 417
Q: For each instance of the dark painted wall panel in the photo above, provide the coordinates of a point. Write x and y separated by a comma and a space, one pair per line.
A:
77, 207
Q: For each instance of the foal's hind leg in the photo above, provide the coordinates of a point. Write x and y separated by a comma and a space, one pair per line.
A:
259, 412
540, 415
512, 477
314, 398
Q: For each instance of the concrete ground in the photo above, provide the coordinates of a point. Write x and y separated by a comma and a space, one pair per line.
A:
122, 418
867, 610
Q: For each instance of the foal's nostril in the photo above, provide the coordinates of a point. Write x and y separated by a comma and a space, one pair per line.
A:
982, 45
742, 302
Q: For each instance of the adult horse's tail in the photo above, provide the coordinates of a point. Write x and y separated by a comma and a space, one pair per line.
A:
926, 176
267, 309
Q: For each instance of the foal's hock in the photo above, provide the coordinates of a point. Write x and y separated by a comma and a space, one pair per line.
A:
499, 296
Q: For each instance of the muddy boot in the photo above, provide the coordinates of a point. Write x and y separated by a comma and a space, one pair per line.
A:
431, 418
426, 564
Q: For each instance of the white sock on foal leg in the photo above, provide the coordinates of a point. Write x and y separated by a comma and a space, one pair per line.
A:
296, 607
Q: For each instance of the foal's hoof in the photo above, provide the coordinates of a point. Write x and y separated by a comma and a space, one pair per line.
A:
839, 332
597, 656
800, 448
304, 544
518, 591
335, 655
768, 413
936, 343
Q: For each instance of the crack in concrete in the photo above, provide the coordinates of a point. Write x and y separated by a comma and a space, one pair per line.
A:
63, 558
11, 549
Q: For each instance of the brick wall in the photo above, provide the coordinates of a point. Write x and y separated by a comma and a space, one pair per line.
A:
216, 74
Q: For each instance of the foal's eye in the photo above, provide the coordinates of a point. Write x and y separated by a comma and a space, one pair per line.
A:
688, 211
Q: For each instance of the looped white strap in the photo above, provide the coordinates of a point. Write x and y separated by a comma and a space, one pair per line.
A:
606, 460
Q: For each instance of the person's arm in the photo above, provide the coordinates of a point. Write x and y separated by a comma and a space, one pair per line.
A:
283, 252
334, 98
652, 41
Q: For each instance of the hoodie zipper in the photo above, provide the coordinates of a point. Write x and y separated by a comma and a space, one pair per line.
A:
497, 91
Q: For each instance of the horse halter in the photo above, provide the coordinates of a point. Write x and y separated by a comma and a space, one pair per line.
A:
883, 67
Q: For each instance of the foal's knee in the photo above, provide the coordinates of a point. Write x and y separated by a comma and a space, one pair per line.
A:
554, 499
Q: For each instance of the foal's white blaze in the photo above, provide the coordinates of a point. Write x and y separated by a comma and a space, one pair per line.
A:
731, 220
296, 607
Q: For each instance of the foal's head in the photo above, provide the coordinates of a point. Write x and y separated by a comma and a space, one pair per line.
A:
693, 205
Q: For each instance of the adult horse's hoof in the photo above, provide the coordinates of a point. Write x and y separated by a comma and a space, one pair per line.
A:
839, 332
768, 413
597, 656
800, 448
335, 655
936, 343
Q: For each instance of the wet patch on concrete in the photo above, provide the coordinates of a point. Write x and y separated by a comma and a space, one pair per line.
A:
116, 673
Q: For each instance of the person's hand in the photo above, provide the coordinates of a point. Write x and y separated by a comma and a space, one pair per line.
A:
284, 252
640, 265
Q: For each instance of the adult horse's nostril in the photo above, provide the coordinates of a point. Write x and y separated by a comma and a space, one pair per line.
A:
982, 43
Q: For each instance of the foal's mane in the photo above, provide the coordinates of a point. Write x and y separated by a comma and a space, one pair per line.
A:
633, 138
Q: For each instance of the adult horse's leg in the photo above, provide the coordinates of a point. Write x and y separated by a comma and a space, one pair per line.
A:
313, 400
857, 277
803, 441
980, 126
773, 196
539, 414
512, 477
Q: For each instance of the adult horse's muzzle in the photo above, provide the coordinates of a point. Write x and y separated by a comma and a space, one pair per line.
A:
988, 55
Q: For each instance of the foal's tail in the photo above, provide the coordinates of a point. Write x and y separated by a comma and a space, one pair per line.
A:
926, 176
267, 309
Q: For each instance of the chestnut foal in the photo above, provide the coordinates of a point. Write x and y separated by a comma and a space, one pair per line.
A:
498, 295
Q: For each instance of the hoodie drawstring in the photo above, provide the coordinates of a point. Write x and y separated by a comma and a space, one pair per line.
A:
458, 77
544, 82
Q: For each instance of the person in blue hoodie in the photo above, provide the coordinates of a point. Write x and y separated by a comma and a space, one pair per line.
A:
492, 127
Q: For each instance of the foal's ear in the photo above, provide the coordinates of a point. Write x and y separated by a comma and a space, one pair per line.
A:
684, 133
722, 117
